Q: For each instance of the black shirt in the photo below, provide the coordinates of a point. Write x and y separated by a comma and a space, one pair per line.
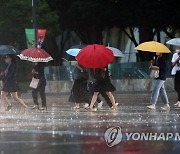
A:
39, 67
161, 63
9, 73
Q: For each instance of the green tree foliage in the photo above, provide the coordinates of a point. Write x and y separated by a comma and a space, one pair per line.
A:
16, 15
150, 17
88, 18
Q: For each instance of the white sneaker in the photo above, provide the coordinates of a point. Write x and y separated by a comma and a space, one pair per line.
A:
153, 107
117, 104
94, 109
100, 104
86, 105
166, 107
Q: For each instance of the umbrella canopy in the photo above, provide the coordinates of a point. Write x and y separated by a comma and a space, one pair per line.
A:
74, 50
8, 49
153, 46
174, 41
116, 52
95, 56
35, 55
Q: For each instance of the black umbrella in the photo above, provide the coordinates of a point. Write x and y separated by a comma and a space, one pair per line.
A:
8, 49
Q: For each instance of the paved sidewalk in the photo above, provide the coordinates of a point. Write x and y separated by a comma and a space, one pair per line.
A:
120, 97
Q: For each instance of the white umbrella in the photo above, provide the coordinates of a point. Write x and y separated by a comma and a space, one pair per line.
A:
116, 52
174, 41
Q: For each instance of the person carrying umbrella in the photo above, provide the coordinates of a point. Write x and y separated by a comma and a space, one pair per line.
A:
79, 92
159, 72
159, 83
10, 84
39, 57
176, 73
101, 86
38, 73
104, 95
97, 56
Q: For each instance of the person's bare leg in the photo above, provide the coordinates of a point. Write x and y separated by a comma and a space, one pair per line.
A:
94, 98
111, 97
19, 100
7, 101
3, 100
2, 106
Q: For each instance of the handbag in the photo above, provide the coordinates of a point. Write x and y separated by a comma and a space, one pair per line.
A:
154, 74
34, 83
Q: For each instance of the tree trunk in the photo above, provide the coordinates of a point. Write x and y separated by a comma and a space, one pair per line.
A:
145, 34
90, 37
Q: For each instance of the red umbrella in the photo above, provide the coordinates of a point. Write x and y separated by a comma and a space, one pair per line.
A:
95, 56
35, 55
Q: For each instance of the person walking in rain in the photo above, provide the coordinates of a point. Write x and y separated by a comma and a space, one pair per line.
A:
159, 83
176, 73
38, 73
103, 94
79, 92
102, 86
10, 84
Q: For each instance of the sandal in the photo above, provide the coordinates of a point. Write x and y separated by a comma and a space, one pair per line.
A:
114, 108
76, 107
91, 109
9, 107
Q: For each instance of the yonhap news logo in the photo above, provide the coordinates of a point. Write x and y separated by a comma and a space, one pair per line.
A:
114, 136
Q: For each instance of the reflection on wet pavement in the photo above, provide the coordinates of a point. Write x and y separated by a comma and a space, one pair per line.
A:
64, 130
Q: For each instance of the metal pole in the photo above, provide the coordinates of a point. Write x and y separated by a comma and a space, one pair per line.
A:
34, 18
34, 13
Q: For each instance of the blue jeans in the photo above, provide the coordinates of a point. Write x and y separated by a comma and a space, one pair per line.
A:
159, 89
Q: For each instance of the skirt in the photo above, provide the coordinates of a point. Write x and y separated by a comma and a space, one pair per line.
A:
103, 85
10, 87
79, 92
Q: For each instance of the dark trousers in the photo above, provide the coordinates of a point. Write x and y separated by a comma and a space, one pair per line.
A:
177, 84
41, 90
104, 95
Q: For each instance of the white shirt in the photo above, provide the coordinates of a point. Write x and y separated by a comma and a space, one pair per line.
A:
176, 67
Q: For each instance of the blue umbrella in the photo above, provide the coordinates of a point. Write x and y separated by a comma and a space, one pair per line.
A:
74, 50
8, 49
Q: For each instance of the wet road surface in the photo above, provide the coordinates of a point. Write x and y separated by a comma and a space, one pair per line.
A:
64, 130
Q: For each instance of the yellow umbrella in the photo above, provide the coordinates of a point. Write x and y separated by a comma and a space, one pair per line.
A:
153, 46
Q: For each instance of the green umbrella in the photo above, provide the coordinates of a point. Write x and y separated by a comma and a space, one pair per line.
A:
8, 49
